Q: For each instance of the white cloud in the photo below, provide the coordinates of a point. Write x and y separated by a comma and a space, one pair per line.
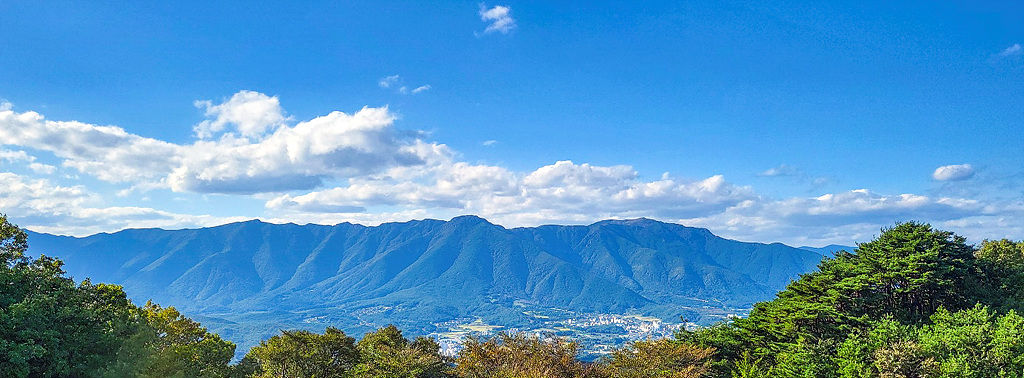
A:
107, 152
5, 106
395, 82
489, 142
499, 17
953, 172
43, 206
563, 191
250, 156
15, 156
566, 192
252, 113
358, 167
337, 145
42, 168
388, 81
24, 157
841, 217
1016, 49
781, 170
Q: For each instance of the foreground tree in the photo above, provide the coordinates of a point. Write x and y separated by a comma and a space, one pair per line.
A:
181, 347
658, 359
305, 354
842, 320
385, 353
521, 356
51, 327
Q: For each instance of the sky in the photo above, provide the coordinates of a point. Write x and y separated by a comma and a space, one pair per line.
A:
807, 123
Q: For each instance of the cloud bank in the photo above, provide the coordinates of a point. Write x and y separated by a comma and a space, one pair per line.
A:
360, 167
245, 147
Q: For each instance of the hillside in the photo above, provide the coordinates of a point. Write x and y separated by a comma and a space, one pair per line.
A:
248, 280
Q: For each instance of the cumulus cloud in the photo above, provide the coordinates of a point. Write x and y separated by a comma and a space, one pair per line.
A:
335, 146
252, 113
25, 158
359, 167
499, 18
15, 156
840, 217
953, 172
568, 192
44, 206
1016, 49
564, 191
107, 152
255, 152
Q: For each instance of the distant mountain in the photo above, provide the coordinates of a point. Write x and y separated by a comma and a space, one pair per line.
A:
249, 279
829, 250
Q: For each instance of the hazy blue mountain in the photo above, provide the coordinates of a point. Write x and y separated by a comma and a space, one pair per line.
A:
829, 250
249, 279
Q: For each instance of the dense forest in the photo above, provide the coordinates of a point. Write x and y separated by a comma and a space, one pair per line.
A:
914, 302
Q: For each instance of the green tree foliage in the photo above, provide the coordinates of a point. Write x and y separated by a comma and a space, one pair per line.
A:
49, 326
385, 353
305, 354
52, 327
521, 356
1002, 262
804, 359
915, 302
658, 359
975, 343
905, 274
749, 367
181, 347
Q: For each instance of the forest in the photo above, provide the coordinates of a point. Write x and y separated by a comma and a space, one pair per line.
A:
913, 302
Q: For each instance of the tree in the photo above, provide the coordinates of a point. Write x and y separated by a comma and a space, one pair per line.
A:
658, 359
385, 353
521, 356
49, 326
52, 327
181, 347
306, 354
1002, 264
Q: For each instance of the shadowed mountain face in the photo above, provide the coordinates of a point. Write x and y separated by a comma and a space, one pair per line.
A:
422, 272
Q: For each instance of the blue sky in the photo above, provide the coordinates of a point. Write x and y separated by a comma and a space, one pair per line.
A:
801, 122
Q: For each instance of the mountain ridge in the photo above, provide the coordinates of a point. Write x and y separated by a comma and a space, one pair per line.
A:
421, 273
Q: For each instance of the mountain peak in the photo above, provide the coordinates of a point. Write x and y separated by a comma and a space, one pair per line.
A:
635, 222
469, 219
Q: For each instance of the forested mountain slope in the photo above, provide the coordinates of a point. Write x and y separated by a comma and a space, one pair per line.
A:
422, 272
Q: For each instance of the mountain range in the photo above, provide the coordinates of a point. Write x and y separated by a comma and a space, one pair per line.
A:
247, 280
